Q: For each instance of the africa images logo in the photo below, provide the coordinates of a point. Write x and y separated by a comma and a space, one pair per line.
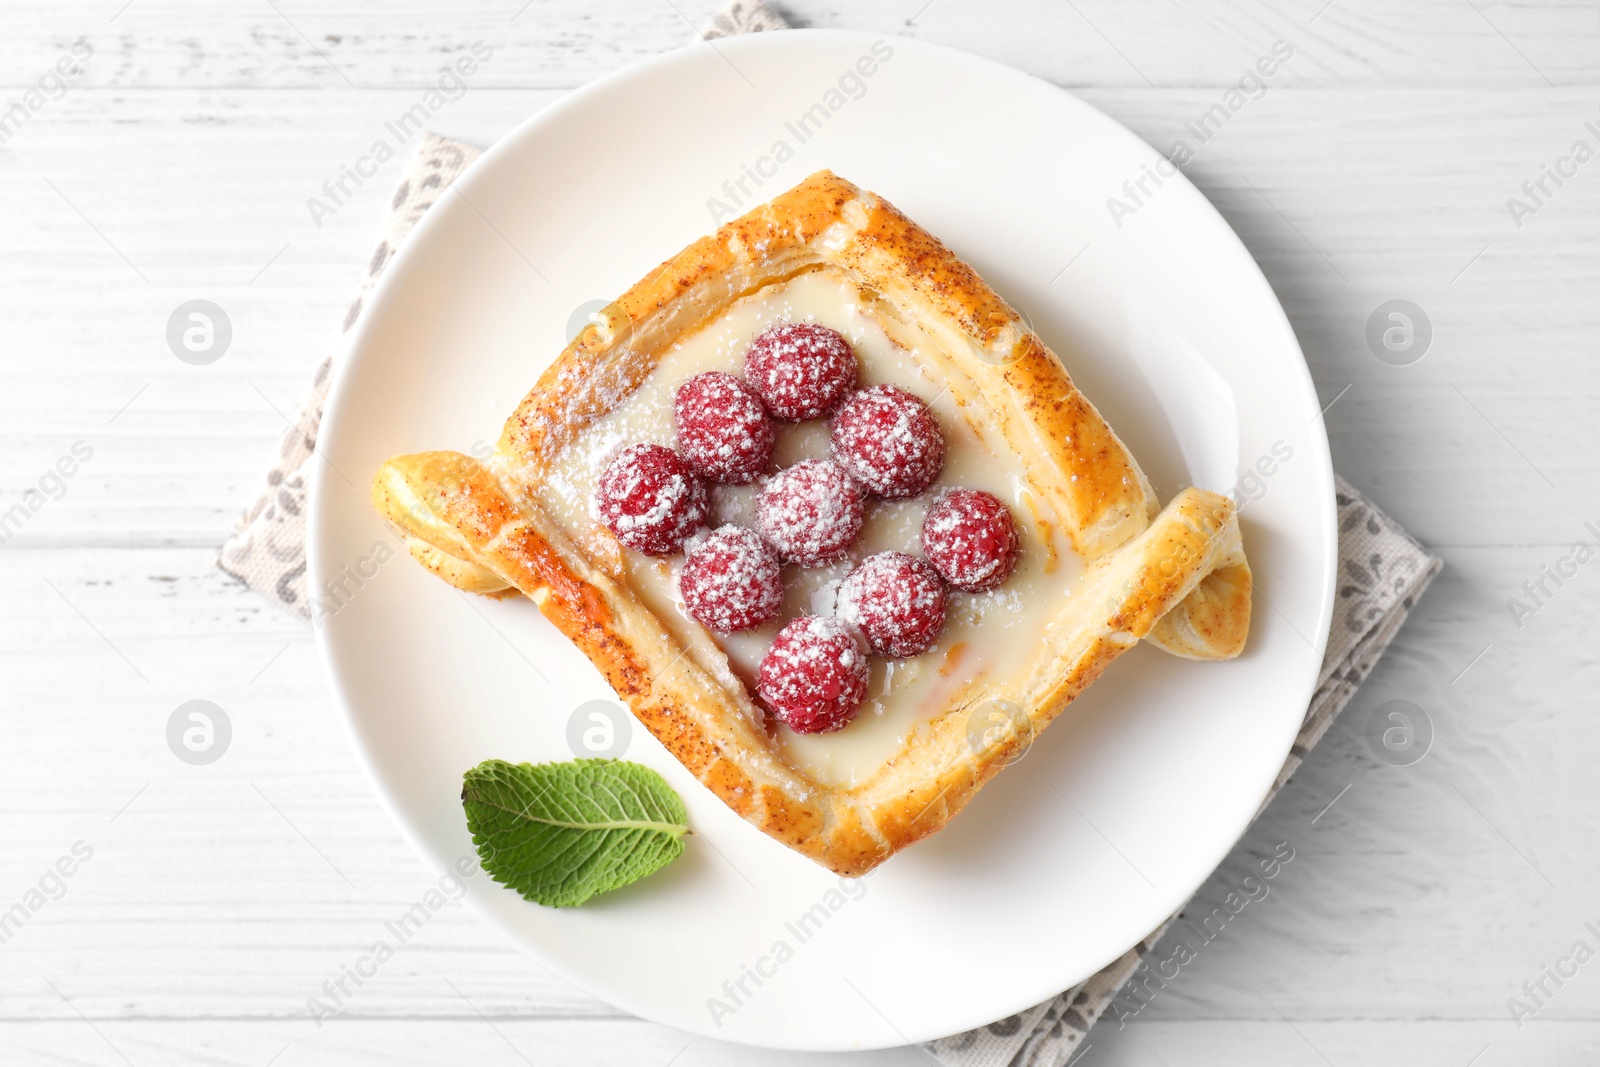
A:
851, 85
1204, 127
449, 86
1538, 191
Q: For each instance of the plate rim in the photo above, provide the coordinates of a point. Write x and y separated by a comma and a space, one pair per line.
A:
382, 294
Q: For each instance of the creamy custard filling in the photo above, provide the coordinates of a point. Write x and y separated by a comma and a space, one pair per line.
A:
987, 637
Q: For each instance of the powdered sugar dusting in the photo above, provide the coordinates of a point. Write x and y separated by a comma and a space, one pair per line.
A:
898, 602
801, 370
887, 439
731, 581
814, 677
970, 537
651, 499
810, 512
722, 427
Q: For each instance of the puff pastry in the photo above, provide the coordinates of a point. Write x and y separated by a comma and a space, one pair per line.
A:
1177, 576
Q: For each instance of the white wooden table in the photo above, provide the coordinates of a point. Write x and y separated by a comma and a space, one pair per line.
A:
176, 164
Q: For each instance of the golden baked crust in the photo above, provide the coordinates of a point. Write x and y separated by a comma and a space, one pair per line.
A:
1178, 578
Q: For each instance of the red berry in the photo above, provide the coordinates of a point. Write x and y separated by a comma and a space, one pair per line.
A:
810, 512
650, 497
814, 677
968, 535
732, 581
800, 370
722, 427
888, 440
897, 600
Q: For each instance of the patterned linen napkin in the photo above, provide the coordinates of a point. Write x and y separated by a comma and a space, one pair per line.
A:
1382, 572
267, 550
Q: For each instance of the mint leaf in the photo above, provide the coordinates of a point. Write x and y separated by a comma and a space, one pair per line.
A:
559, 833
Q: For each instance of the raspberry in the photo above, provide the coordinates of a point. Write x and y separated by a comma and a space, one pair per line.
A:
810, 512
800, 370
722, 427
731, 581
814, 677
650, 497
897, 600
968, 535
888, 440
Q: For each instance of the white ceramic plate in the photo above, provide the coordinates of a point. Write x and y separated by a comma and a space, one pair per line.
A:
1119, 812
